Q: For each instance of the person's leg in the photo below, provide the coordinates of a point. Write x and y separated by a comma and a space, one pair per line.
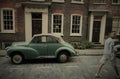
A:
117, 72
113, 62
99, 70
102, 62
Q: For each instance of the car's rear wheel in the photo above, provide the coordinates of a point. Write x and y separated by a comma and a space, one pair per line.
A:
17, 58
63, 57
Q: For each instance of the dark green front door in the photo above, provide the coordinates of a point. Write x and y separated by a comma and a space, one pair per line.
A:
96, 31
36, 23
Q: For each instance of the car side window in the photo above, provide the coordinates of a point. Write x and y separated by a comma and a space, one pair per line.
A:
51, 40
37, 39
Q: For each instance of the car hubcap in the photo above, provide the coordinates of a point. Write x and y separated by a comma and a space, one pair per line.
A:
17, 59
63, 58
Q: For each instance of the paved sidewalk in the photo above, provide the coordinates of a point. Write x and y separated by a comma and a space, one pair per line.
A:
2, 53
89, 52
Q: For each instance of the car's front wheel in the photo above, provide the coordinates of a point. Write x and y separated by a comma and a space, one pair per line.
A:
17, 58
63, 57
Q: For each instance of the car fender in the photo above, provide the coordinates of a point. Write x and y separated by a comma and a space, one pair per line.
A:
71, 51
29, 53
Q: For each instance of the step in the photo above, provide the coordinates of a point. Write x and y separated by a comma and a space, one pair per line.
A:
98, 46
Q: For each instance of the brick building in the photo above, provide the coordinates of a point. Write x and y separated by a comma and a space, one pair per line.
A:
104, 16
75, 20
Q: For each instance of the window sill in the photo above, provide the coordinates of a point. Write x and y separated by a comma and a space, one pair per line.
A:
75, 2
7, 32
100, 3
37, 0
75, 35
115, 3
57, 34
58, 1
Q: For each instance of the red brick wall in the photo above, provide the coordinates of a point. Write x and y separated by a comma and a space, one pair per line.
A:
6, 5
19, 34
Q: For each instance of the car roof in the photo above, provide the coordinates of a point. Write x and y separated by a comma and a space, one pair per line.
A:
55, 35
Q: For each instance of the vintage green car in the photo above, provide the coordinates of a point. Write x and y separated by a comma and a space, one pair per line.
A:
41, 46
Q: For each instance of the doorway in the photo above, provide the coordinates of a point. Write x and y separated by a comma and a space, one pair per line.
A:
96, 31
97, 28
36, 23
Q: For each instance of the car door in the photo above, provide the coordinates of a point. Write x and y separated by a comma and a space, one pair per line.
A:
38, 43
52, 45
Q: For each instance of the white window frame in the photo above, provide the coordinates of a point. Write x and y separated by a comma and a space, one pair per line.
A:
2, 24
58, 1
61, 24
80, 33
79, 2
116, 22
37, 0
115, 3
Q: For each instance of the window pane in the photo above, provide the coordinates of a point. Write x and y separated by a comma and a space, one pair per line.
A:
4, 12
10, 12
11, 17
7, 18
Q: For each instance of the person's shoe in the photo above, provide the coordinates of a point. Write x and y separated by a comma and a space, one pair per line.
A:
97, 76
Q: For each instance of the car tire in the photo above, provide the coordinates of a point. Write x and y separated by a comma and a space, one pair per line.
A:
63, 57
17, 58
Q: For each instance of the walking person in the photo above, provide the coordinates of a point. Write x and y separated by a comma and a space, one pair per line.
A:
108, 55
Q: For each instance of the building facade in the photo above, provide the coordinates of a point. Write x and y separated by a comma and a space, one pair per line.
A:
104, 16
74, 20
